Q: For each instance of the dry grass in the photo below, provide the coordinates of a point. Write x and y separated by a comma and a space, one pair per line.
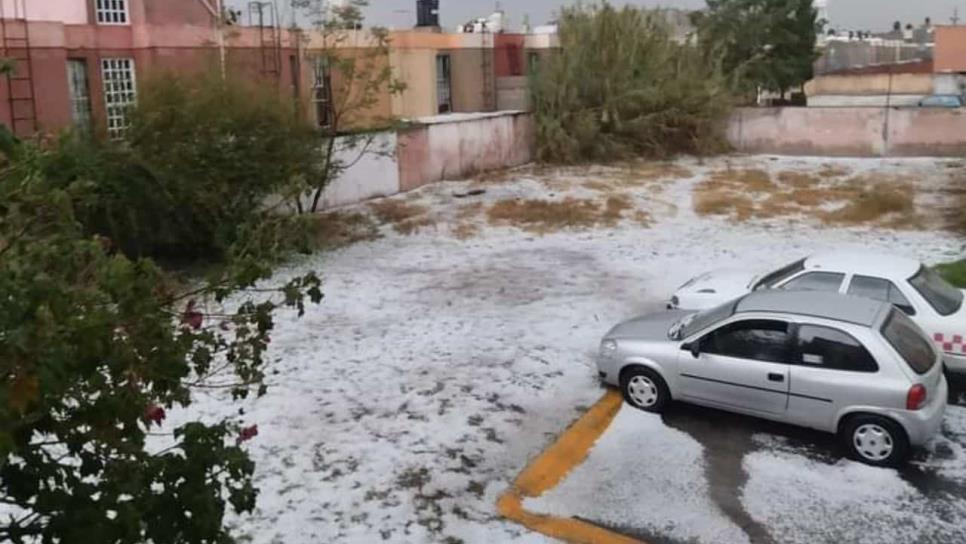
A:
544, 216
744, 194
339, 229
414, 225
798, 179
874, 202
405, 218
396, 211
639, 174
615, 207
643, 219
465, 231
470, 211
600, 186
833, 171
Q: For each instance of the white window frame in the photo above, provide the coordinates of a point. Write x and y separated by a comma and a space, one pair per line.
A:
111, 12
119, 80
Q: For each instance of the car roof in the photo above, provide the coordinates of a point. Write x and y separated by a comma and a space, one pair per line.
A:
866, 264
832, 306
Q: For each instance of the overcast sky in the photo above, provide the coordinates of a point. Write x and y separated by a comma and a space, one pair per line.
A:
857, 14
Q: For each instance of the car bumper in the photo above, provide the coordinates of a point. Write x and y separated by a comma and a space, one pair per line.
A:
921, 425
608, 369
955, 364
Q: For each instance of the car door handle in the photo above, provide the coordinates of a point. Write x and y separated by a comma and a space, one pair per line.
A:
774, 377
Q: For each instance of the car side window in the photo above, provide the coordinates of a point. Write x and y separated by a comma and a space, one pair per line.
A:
756, 339
823, 347
828, 282
880, 289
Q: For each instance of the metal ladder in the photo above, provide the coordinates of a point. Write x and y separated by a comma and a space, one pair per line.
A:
488, 51
264, 15
15, 40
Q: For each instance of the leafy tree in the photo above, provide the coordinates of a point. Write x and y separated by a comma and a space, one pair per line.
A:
198, 163
620, 86
766, 44
95, 348
357, 83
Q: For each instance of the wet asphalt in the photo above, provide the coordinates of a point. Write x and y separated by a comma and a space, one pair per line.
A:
727, 438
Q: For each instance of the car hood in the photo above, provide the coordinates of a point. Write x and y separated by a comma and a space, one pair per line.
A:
724, 285
648, 327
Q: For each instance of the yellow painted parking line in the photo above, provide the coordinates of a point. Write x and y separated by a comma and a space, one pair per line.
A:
550, 468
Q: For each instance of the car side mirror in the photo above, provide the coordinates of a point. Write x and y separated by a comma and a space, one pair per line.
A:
694, 348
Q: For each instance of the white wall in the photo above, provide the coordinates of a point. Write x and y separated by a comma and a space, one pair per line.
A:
373, 174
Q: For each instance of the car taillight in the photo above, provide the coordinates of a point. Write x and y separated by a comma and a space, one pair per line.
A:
916, 397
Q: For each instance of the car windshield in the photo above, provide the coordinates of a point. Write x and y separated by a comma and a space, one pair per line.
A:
942, 296
909, 341
700, 320
780, 275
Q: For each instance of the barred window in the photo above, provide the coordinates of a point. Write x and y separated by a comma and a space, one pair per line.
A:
111, 12
120, 93
80, 97
322, 92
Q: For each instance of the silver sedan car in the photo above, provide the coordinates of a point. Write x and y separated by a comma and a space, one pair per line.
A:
855, 367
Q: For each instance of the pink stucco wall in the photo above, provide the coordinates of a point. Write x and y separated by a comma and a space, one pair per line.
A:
72, 12
457, 149
860, 132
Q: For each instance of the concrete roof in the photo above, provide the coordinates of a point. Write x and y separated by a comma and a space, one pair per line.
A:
860, 311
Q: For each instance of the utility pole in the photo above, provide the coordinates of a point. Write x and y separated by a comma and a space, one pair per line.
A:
955, 17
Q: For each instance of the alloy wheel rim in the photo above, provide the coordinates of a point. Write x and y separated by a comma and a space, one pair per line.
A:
873, 442
642, 391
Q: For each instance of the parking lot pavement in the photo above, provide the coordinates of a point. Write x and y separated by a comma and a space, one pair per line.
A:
701, 475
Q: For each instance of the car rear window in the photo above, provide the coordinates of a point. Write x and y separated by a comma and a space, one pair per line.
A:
909, 341
780, 275
942, 296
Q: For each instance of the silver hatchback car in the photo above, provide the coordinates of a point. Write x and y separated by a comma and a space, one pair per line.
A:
851, 366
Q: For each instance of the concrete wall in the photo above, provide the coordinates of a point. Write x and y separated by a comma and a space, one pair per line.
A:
864, 101
862, 132
373, 174
867, 84
950, 49
468, 82
457, 146
513, 93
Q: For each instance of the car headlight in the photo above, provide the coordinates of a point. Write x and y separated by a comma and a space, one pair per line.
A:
608, 348
675, 302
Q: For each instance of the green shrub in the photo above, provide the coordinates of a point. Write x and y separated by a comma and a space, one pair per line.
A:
199, 161
620, 86
96, 347
955, 273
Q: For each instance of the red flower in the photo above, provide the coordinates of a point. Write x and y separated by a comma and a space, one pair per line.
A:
247, 434
154, 414
192, 317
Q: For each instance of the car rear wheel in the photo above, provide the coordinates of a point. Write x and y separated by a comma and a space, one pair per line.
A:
875, 440
644, 389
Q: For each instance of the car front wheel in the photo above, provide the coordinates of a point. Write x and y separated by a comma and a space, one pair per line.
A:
644, 389
875, 440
